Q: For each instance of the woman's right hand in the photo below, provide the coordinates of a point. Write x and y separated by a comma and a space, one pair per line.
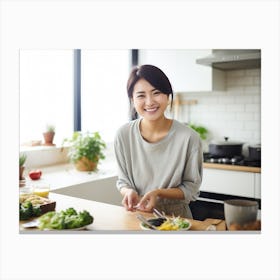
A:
130, 198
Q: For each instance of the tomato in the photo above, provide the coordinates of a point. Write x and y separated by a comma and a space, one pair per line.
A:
35, 174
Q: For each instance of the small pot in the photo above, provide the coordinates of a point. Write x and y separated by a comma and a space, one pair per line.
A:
225, 148
21, 170
48, 136
255, 152
84, 164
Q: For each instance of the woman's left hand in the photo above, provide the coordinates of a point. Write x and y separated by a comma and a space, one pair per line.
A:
148, 201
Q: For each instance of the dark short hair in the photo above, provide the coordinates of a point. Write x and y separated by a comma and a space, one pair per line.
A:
153, 75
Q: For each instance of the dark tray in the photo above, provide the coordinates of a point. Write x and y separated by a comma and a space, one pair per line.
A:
47, 207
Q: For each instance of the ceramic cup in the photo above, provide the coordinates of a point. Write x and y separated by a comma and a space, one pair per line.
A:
240, 211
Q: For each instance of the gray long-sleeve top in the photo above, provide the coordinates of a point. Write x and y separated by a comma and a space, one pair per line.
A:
174, 161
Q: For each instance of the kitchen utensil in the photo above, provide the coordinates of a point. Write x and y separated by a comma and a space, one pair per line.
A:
159, 214
145, 221
240, 211
255, 152
178, 102
225, 148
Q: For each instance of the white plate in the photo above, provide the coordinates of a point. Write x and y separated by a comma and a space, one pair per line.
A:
31, 224
35, 223
181, 229
69, 229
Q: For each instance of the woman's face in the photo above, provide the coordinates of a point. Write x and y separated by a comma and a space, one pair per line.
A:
149, 102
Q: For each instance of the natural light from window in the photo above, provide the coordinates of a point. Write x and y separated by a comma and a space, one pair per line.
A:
104, 75
46, 92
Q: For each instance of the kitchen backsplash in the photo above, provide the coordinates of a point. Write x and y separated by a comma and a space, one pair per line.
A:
235, 112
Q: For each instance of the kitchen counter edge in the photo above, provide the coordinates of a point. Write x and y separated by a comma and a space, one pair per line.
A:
232, 167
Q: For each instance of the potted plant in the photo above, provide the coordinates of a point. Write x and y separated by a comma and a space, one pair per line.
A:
201, 130
49, 135
86, 149
203, 133
22, 159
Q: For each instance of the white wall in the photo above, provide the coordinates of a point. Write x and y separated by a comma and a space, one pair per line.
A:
180, 67
235, 112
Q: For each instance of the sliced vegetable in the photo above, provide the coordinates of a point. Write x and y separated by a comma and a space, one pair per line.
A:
182, 223
168, 225
175, 223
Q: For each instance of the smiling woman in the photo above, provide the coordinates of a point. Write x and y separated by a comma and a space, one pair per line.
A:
159, 159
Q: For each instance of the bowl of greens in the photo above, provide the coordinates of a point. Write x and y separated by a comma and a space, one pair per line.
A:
168, 224
68, 219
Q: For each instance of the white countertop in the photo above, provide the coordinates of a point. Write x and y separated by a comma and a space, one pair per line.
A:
64, 175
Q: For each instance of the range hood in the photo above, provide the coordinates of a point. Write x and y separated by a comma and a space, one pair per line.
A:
232, 59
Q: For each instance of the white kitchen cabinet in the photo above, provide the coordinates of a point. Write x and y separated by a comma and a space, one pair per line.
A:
257, 185
184, 73
236, 183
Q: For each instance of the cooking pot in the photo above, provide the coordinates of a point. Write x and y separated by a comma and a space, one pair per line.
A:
255, 152
225, 148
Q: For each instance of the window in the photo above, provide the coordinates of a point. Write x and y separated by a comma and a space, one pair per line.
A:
104, 101
46, 93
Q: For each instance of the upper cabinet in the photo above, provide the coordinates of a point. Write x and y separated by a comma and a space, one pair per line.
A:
182, 70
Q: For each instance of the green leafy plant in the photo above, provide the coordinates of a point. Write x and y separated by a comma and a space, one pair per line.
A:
50, 128
201, 130
85, 145
22, 159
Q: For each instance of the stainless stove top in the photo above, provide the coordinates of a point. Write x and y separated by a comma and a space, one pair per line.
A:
236, 160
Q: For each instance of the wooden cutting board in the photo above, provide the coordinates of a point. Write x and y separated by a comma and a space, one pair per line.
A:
202, 225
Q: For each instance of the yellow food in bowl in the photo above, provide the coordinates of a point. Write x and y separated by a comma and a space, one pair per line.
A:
41, 192
167, 225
